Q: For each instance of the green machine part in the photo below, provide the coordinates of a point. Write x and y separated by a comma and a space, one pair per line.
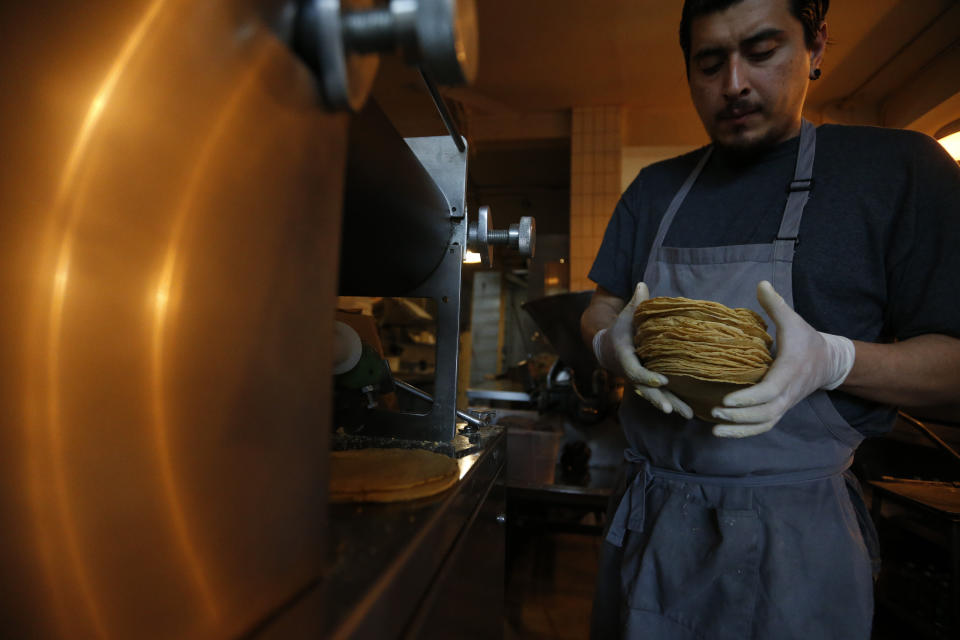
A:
370, 370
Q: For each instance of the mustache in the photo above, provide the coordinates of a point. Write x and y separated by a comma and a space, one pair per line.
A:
736, 109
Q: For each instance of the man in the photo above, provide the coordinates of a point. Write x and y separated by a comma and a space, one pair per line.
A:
846, 239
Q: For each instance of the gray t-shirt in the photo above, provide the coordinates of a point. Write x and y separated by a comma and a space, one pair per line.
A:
879, 244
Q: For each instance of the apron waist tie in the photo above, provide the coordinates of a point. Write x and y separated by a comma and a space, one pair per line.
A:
631, 512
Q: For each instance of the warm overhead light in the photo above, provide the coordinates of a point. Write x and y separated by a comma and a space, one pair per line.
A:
952, 144
949, 137
471, 257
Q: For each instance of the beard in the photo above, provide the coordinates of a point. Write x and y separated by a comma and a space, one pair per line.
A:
745, 147
750, 139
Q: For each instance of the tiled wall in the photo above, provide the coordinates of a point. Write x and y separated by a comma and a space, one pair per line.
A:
594, 185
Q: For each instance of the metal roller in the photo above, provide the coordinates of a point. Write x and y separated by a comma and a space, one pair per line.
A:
396, 221
340, 40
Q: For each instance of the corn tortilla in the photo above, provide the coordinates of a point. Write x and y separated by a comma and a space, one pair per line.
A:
704, 348
389, 475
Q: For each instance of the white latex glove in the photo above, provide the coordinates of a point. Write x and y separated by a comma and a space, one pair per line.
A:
806, 361
614, 350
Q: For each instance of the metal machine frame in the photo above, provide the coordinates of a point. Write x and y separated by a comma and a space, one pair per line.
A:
448, 168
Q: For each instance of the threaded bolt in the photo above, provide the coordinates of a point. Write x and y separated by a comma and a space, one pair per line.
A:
498, 236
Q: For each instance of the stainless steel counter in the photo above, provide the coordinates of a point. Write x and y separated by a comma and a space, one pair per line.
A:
389, 565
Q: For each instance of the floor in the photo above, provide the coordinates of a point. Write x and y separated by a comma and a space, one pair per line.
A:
549, 590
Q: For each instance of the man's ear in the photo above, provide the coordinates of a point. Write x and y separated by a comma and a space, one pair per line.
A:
819, 47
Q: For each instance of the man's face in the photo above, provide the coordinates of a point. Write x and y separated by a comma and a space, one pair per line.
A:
749, 72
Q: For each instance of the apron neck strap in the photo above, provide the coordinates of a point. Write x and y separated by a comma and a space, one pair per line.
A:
678, 199
799, 188
799, 192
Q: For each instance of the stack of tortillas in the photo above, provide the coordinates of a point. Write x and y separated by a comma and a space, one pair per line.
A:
705, 349
389, 475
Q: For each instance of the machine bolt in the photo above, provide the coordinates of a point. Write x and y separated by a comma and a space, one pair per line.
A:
439, 35
526, 236
498, 236
370, 392
521, 237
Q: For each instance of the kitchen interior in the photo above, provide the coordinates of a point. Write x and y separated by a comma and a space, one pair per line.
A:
240, 238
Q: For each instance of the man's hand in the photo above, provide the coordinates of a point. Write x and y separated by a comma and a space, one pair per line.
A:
806, 361
615, 352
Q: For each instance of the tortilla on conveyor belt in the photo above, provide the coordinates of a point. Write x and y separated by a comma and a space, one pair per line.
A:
389, 475
705, 349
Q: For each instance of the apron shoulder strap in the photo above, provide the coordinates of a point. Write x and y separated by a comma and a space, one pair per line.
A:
799, 188
678, 199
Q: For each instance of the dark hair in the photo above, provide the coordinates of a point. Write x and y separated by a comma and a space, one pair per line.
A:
809, 12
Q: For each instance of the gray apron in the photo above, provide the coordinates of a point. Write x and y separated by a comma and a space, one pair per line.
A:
718, 538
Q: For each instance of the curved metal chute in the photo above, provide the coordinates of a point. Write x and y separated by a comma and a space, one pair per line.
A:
169, 193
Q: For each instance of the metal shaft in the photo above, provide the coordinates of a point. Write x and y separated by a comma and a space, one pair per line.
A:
444, 112
423, 395
930, 435
370, 31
